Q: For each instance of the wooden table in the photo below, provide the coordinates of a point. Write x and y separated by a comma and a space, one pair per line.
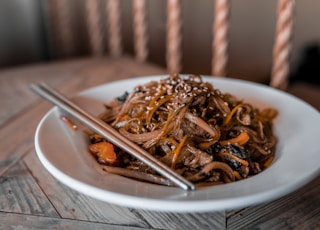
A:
30, 198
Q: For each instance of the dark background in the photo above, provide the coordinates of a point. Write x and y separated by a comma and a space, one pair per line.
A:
25, 37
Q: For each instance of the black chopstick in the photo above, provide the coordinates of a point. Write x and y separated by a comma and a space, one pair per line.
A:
97, 125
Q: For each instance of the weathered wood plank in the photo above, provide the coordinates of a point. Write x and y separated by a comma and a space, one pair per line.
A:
20, 193
18, 221
15, 95
27, 188
73, 205
17, 137
298, 210
20, 121
70, 76
194, 221
24, 120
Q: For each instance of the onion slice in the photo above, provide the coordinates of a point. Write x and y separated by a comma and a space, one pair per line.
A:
202, 124
137, 175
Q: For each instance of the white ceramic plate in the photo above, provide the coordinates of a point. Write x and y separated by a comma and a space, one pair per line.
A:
64, 154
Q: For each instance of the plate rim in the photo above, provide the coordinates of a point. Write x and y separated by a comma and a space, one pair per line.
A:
176, 205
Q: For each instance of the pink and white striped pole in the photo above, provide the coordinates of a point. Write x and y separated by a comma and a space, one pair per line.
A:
174, 37
114, 27
140, 29
94, 27
282, 46
220, 37
60, 14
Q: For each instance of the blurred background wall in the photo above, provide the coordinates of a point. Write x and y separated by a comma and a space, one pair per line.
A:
22, 33
25, 37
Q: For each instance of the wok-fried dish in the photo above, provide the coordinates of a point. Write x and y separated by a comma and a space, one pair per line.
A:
207, 136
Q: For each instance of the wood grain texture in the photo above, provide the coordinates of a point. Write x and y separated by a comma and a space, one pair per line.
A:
28, 111
12, 221
20, 193
73, 205
69, 76
288, 212
172, 220
30, 198
17, 136
74, 76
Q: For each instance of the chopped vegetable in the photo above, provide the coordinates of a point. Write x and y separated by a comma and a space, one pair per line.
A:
206, 136
104, 151
241, 139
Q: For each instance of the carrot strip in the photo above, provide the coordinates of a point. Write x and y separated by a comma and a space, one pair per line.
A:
226, 154
237, 175
268, 162
177, 151
157, 105
241, 139
206, 144
233, 111
153, 101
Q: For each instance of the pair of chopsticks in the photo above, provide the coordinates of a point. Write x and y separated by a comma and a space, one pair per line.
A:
105, 130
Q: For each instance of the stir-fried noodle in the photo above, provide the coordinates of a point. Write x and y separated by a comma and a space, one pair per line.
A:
207, 136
